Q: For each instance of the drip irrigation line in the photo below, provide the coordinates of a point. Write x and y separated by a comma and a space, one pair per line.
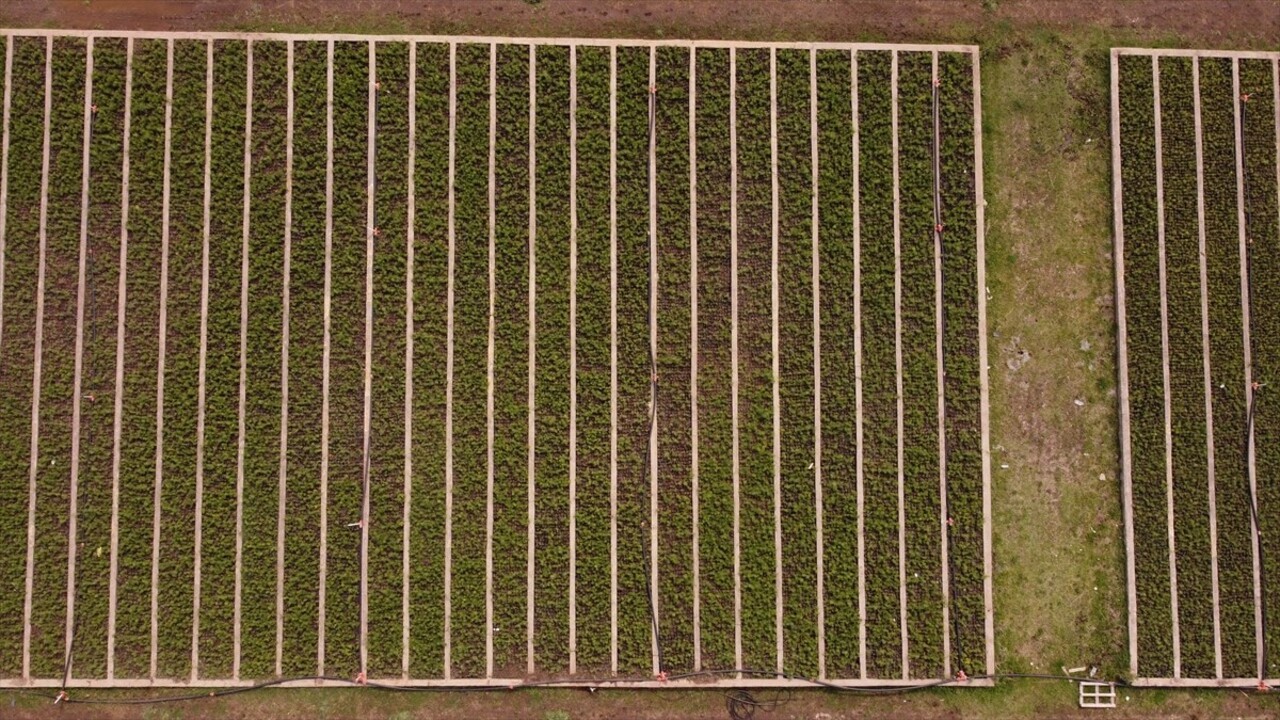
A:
649, 435
741, 697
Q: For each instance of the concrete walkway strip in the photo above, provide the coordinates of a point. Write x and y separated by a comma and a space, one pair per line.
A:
817, 366
613, 359
1246, 300
121, 304
34, 460
78, 382
777, 396
1210, 459
283, 478
197, 579
897, 352
324, 372
857, 371
531, 457
1164, 352
244, 351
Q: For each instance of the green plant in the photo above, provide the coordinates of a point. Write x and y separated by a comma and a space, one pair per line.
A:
879, 383
551, 570
1146, 394
715, 401
430, 280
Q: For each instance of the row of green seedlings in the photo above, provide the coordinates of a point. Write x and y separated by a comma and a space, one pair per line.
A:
1198, 655
1258, 118
1146, 393
1186, 367
639, 67
1227, 357
966, 463
716, 611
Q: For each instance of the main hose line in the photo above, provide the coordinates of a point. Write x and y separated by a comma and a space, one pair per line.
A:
590, 684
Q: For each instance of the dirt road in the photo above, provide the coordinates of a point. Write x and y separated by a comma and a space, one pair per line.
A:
1236, 21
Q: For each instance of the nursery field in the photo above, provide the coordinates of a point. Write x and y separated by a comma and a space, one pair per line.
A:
1195, 135
451, 361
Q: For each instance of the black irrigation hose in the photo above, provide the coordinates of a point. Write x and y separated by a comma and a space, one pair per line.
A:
653, 411
1251, 404
735, 698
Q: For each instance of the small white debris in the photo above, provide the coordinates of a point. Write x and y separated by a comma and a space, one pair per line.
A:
810, 466
1004, 466
1088, 140
1102, 477
1079, 403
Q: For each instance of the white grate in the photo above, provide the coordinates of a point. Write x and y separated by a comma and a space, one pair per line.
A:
1097, 695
